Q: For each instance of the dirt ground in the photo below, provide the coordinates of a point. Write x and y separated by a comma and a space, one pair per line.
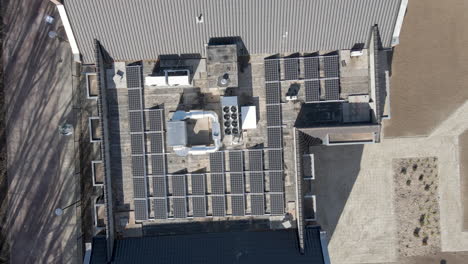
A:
41, 170
430, 67
417, 206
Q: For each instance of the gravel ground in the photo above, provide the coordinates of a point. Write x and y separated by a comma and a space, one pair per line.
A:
417, 206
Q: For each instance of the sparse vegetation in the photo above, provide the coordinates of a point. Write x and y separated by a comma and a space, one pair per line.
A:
417, 206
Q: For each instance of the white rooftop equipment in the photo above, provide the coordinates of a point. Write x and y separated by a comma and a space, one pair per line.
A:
177, 133
249, 117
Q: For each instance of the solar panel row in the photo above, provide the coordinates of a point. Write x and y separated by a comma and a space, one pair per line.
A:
256, 160
332, 89
275, 137
257, 202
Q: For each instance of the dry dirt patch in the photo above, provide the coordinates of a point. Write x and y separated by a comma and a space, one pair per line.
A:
417, 205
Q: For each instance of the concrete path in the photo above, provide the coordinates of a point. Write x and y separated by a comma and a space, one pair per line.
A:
38, 87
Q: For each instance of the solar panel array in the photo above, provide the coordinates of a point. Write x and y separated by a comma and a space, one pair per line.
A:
275, 132
141, 162
291, 68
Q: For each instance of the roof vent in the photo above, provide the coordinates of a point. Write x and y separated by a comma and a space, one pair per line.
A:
200, 19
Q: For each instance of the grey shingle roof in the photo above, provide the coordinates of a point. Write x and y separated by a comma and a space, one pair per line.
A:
232, 247
144, 29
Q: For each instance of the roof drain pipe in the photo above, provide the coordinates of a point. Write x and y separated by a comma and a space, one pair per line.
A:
215, 130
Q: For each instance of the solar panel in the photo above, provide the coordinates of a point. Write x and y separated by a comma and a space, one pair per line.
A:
275, 159
156, 142
217, 183
138, 166
238, 205
134, 77
199, 206
236, 163
277, 203
256, 160
272, 70
219, 205
135, 121
198, 184
291, 68
139, 188
134, 99
217, 162
141, 210
156, 120
273, 115
160, 208
136, 141
257, 204
237, 183
311, 68
179, 206
276, 181
256, 182
275, 137
331, 66
312, 91
178, 185
159, 186
273, 93
332, 89
158, 165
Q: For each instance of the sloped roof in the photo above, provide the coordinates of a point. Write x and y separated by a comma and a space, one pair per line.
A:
232, 247
144, 29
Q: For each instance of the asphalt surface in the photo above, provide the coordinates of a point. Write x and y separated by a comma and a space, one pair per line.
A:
41, 178
430, 67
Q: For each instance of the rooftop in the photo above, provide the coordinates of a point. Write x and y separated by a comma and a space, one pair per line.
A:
145, 29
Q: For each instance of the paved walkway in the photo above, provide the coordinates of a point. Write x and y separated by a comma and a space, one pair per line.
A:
38, 87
